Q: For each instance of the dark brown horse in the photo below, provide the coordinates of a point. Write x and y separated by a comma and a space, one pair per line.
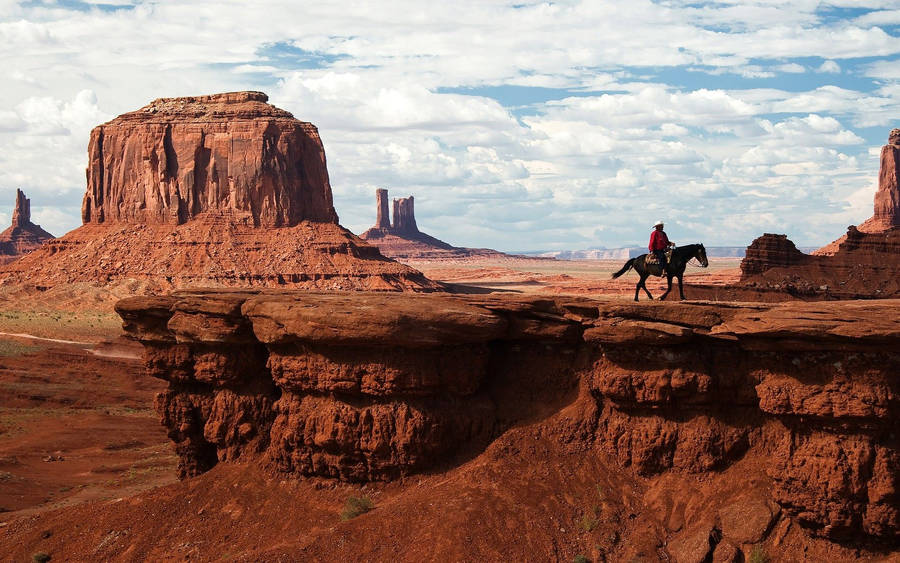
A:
680, 257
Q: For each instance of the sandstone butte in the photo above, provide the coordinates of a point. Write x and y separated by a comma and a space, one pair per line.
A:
863, 263
399, 237
524, 428
219, 190
22, 236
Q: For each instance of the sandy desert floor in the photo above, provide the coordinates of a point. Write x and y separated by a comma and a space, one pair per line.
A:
76, 419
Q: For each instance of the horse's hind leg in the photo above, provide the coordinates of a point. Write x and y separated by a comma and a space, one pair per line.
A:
637, 290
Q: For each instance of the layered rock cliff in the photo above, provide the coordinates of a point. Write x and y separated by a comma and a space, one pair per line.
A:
22, 236
364, 387
219, 190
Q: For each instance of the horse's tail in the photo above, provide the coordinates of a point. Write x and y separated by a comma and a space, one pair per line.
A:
628, 265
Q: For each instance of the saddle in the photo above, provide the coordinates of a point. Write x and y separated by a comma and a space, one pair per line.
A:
653, 259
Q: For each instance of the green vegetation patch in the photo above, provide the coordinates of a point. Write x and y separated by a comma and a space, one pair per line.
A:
759, 555
356, 506
10, 348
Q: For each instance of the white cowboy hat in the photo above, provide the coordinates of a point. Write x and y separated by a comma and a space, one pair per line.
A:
657, 224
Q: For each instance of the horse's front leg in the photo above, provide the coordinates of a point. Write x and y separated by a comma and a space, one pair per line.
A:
680, 287
663, 296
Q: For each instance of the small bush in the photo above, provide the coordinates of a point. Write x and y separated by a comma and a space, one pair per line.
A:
758, 555
356, 506
581, 559
589, 522
40, 557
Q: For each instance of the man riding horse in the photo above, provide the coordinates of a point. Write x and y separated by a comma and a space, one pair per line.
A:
659, 243
673, 268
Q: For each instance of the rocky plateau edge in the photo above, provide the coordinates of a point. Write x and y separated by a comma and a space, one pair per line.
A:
366, 386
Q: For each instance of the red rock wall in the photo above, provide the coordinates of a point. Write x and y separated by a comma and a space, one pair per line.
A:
369, 387
178, 158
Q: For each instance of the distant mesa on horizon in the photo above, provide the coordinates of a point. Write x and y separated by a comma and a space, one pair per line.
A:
22, 236
217, 190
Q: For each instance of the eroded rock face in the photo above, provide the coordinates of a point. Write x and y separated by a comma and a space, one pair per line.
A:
360, 386
22, 236
357, 387
177, 158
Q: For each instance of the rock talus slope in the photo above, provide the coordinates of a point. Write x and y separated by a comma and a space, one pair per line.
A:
364, 387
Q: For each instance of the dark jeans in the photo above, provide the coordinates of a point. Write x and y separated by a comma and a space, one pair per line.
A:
661, 255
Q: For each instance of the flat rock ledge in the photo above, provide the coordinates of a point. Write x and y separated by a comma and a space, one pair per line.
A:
363, 386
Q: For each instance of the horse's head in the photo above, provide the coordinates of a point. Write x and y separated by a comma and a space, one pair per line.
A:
701, 255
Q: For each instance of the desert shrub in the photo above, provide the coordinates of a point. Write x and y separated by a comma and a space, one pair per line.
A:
356, 506
589, 522
759, 555
581, 559
40, 557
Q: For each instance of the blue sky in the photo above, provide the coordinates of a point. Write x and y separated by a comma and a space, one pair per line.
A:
517, 125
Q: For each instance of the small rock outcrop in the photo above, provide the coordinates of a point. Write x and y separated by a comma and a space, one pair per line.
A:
771, 251
22, 236
219, 190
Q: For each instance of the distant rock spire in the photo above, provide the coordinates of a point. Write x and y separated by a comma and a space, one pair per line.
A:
22, 210
887, 198
404, 216
383, 220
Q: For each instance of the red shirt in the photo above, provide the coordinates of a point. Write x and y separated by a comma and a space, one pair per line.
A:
658, 240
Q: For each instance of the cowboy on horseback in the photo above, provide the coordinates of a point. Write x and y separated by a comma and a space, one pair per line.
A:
659, 243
